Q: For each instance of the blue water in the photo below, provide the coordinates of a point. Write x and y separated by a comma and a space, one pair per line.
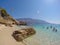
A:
45, 36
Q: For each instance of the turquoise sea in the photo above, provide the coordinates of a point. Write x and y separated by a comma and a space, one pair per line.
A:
44, 36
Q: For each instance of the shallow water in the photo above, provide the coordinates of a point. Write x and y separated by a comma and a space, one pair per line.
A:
44, 36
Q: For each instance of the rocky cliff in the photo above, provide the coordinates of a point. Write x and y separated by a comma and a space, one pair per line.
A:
5, 18
13, 35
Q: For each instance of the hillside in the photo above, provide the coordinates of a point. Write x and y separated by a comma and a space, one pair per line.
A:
5, 18
31, 21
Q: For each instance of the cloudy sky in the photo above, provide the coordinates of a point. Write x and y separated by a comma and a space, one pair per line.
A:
48, 10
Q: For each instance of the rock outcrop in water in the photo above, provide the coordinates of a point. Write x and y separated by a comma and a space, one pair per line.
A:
22, 23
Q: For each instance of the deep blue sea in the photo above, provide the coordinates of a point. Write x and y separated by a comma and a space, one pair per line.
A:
44, 35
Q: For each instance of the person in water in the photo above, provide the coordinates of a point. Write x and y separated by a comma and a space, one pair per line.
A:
50, 26
47, 27
54, 29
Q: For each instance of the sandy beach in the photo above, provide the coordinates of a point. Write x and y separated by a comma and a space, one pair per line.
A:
6, 35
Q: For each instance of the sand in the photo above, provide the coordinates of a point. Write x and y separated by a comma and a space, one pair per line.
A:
6, 35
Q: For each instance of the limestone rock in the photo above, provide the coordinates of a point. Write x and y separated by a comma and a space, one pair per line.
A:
5, 18
20, 35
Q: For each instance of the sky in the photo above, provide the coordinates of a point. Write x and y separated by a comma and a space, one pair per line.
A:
48, 10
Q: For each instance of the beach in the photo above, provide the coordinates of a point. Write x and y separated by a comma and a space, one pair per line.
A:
6, 35
43, 36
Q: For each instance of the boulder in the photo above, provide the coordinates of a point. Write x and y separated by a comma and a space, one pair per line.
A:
22, 34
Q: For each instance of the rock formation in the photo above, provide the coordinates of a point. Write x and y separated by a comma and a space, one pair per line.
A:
22, 23
20, 35
13, 34
5, 18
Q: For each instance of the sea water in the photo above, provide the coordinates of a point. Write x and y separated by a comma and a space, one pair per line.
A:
44, 36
